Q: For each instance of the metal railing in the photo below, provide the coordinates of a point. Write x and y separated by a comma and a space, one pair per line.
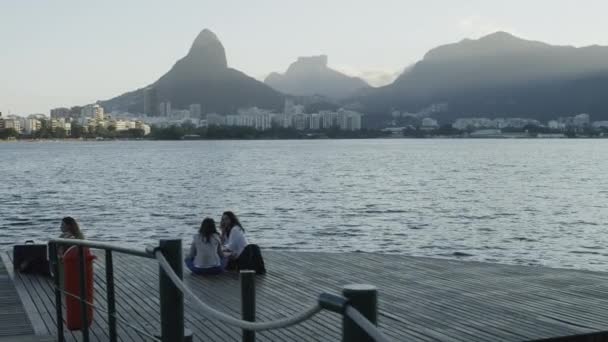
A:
357, 305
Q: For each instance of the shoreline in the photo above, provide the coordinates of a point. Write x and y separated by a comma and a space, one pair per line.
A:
293, 139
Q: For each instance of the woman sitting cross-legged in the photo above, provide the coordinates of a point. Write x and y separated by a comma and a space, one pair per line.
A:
205, 257
238, 252
233, 237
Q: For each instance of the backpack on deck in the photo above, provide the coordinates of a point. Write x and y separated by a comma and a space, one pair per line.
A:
251, 259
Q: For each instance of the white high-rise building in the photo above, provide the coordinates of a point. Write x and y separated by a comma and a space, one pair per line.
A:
263, 121
93, 111
330, 119
12, 123
283, 120
61, 112
168, 108
214, 119
315, 121
581, 120
32, 125
57, 123
301, 121
164, 109
196, 111
349, 120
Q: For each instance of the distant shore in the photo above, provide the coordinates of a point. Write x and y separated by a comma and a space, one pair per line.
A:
300, 138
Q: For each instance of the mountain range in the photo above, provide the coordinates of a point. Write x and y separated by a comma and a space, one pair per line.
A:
203, 77
498, 75
310, 76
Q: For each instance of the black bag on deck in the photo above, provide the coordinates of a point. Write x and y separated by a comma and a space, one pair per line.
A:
251, 259
31, 258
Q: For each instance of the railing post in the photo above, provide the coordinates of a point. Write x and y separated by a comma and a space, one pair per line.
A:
54, 257
83, 294
171, 298
248, 302
110, 296
365, 299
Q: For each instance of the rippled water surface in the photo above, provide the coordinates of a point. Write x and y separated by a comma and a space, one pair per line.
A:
532, 202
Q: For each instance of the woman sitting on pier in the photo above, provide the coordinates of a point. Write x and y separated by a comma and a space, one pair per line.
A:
69, 230
240, 254
205, 256
233, 237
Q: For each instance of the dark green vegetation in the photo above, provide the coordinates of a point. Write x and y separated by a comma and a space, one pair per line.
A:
189, 132
78, 132
8, 133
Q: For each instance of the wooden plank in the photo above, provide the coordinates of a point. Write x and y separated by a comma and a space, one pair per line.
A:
13, 316
420, 299
31, 311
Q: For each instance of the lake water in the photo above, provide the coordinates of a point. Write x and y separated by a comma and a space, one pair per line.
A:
530, 202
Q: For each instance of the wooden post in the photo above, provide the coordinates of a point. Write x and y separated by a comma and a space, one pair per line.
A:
248, 302
171, 298
365, 299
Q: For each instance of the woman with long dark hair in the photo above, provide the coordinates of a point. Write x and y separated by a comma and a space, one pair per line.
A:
69, 230
238, 252
233, 235
205, 256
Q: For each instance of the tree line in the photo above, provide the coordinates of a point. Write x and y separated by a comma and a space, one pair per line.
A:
189, 131
77, 132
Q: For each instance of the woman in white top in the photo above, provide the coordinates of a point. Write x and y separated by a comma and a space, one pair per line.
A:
233, 237
205, 256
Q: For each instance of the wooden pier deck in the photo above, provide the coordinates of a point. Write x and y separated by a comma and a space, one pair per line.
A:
420, 299
14, 323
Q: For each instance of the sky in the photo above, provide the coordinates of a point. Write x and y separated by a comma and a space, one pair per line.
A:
56, 53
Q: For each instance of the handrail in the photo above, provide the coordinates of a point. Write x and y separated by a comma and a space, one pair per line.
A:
137, 329
104, 245
174, 288
109, 248
304, 315
281, 323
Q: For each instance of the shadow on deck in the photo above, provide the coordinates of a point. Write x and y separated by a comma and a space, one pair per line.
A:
421, 299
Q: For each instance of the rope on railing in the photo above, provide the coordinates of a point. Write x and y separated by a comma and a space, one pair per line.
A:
365, 324
125, 322
209, 311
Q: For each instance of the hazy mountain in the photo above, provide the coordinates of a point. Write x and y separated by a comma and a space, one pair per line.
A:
311, 76
502, 75
203, 77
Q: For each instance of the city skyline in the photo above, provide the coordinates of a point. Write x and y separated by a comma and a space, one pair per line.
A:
96, 52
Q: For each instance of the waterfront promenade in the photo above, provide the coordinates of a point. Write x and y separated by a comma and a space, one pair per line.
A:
420, 299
